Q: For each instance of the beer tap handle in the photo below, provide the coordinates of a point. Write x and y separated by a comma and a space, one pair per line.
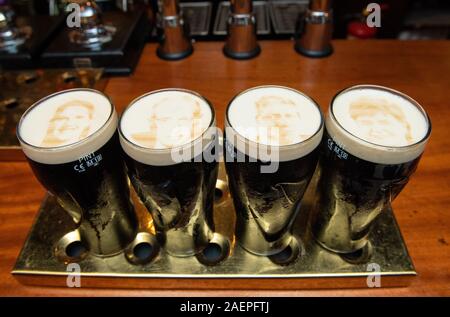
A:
241, 40
174, 41
314, 30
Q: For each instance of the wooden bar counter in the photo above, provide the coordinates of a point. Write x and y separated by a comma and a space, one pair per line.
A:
419, 69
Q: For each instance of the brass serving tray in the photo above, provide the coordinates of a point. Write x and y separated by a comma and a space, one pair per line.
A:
314, 268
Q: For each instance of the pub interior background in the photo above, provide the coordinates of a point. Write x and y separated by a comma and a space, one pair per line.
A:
45, 62
402, 19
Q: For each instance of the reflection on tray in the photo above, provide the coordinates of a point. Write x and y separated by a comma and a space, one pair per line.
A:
312, 265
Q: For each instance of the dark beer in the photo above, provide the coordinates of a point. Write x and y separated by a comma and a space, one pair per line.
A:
362, 171
166, 136
72, 145
271, 152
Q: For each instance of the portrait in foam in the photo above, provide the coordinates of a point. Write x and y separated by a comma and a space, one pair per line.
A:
166, 126
66, 119
276, 122
378, 124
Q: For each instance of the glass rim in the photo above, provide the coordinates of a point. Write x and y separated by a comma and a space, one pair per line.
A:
147, 149
390, 90
70, 145
287, 146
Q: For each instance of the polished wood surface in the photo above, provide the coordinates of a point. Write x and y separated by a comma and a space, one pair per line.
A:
420, 69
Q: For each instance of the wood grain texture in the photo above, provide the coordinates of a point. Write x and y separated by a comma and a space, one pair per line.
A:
420, 69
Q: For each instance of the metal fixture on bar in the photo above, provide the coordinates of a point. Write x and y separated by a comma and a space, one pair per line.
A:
314, 30
241, 41
174, 32
91, 32
10, 36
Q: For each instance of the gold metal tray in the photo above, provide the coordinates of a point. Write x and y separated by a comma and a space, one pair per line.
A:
315, 267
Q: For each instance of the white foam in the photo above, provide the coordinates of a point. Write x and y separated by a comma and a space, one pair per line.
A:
378, 124
380, 117
157, 123
275, 117
58, 129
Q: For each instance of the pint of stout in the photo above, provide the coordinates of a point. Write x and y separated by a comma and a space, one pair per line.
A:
272, 135
167, 136
375, 137
70, 139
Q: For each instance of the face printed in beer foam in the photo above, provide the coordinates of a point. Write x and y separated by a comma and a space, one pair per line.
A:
380, 117
274, 116
65, 119
166, 119
70, 122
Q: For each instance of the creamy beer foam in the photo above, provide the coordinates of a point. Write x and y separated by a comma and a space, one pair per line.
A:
161, 121
380, 117
280, 116
276, 116
166, 119
391, 122
65, 119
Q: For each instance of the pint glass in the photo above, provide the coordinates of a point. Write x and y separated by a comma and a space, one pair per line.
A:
272, 135
70, 140
373, 143
168, 137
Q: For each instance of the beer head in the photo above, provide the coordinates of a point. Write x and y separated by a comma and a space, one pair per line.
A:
66, 125
378, 124
277, 117
161, 122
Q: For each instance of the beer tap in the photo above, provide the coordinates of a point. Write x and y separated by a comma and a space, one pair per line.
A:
241, 26
91, 32
174, 32
314, 30
7, 10
10, 36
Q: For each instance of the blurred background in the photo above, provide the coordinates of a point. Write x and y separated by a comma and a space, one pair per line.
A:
41, 54
401, 19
